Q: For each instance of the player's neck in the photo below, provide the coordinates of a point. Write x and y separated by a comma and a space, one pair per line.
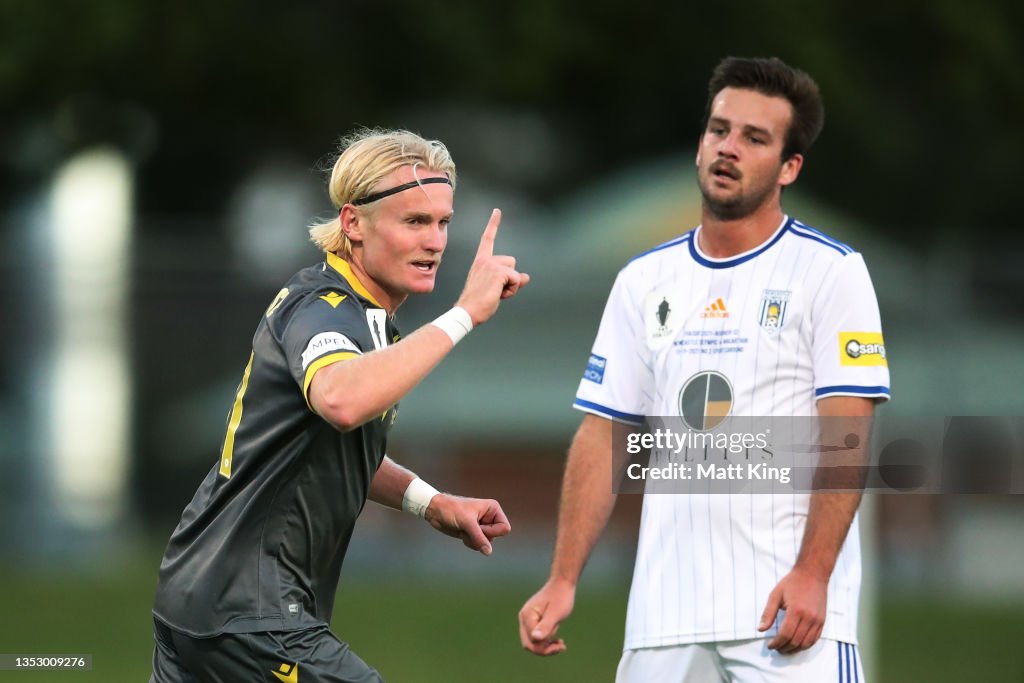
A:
724, 238
389, 302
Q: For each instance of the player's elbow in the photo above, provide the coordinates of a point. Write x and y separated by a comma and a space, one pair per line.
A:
331, 395
332, 406
344, 417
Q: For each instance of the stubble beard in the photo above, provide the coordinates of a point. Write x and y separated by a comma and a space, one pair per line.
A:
739, 205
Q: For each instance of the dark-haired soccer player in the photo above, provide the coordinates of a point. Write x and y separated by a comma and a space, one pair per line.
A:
247, 584
753, 313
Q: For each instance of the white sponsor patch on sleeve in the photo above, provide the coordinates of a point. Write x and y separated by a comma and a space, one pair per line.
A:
324, 343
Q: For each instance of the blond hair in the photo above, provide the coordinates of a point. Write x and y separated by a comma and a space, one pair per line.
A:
367, 156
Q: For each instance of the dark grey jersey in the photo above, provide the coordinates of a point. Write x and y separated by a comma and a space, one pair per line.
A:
260, 546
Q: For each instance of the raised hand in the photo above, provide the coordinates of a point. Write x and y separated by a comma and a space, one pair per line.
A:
491, 277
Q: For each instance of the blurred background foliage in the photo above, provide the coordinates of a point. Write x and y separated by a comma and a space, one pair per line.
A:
923, 99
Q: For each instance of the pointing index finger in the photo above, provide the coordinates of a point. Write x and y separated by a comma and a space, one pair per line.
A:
486, 247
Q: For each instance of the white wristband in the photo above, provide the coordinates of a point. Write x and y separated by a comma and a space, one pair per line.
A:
417, 497
456, 323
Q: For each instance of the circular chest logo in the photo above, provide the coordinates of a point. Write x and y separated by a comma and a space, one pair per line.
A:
705, 400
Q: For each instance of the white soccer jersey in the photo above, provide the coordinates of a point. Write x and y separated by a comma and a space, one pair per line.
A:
764, 333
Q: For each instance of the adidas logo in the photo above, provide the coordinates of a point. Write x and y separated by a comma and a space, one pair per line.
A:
717, 309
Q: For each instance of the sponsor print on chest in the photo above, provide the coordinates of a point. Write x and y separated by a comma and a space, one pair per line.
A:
716, 324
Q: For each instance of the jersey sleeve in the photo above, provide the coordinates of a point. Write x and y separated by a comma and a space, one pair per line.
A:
617, 383
849, 351
320, 330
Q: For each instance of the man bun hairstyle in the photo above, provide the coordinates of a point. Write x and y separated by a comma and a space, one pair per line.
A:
366, 157
773, 77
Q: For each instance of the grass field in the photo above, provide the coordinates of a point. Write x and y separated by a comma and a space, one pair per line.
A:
453, 633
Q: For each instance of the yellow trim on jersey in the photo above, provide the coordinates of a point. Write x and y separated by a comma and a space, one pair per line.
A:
322, 362
862, 349
334, 298
276, 303
228, 452
342, 266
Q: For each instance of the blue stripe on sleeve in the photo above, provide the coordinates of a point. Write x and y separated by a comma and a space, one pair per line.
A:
666, 245
828, 238
609, 412
809, 236
853, 389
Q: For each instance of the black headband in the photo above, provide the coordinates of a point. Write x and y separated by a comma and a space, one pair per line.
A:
395, 190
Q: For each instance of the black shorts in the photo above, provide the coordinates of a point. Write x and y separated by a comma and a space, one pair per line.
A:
312, 655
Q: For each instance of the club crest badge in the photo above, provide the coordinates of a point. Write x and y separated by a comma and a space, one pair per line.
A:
772, 315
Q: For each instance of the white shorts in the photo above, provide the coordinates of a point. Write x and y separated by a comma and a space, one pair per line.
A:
741, 661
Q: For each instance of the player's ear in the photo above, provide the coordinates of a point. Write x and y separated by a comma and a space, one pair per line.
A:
353, 223
791, 169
